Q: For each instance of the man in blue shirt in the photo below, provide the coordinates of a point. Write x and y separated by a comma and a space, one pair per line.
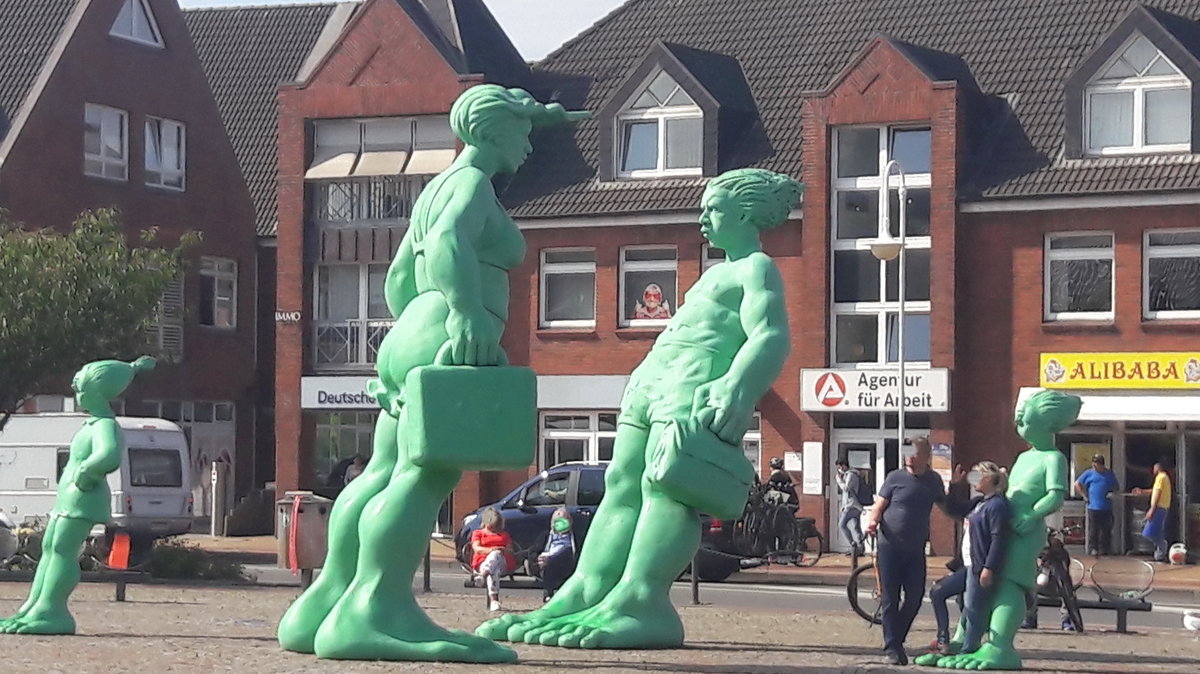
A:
1095, 485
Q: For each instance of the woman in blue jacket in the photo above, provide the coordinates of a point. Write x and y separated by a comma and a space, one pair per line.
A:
985, 524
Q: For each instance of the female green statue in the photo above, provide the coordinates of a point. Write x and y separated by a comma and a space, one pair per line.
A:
83, 498
448, 290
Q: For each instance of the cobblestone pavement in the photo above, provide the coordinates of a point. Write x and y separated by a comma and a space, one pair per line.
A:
202, 629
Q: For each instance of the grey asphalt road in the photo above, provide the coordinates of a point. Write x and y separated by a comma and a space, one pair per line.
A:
1167, 612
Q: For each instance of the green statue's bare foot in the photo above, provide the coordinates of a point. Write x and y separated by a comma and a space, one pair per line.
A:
41, 622
570, 600
630, 617
928, 660
298, 628
354, 638
988, 657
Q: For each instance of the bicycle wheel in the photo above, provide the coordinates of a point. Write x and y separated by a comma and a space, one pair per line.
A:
810, 548
863, 592
1066, 592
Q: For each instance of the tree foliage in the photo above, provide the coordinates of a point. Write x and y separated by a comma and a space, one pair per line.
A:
67, 299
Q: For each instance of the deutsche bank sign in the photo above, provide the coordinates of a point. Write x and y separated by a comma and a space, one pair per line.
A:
336, 393
926, 390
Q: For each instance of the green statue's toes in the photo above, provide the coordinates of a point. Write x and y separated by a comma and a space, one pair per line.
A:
928, 660
496, 629
989, 658
47, 626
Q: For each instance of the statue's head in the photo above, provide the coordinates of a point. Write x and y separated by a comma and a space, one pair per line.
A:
498, 120
1045, 413
746, 202
98, 383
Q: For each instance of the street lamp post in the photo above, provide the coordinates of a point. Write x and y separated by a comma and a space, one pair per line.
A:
887, 248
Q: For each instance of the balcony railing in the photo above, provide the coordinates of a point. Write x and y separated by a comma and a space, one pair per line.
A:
352, 343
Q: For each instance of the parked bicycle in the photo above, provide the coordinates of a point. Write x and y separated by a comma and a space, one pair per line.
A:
1059, 575
769, 530
865, 592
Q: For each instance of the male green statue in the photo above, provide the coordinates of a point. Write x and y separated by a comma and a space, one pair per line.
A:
702, 378
1036, 488
448, 290
83, 498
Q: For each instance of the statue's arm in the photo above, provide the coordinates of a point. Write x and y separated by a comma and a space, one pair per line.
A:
105, 456
453, 268
400, 287
1056, 486
763, 315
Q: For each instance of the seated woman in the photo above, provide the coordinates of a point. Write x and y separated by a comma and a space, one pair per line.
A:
559, 548
493, 554
984, 529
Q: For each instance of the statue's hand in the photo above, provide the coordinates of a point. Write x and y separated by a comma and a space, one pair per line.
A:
474, 339
84, 481
1023, 524
730, 413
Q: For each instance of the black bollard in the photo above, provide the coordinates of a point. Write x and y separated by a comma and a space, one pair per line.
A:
427, 587
696, 578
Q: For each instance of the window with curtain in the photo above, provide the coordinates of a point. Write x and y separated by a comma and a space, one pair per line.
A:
1171, 274
660, 132
1139, 102
1079, 276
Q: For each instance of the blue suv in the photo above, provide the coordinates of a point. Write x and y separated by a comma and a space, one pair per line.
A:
578, 486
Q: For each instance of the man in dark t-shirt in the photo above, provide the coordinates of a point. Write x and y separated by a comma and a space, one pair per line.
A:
901, 518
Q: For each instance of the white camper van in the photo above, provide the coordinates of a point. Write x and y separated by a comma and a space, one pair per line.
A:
151, 492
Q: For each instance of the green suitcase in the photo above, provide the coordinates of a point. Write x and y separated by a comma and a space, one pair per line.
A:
695, 467
471, 418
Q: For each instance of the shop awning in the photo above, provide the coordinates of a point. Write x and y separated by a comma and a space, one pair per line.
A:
1131, 407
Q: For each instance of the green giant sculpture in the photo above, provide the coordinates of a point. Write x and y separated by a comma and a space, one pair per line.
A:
83, 499
446, 406
1036, 488
677, 451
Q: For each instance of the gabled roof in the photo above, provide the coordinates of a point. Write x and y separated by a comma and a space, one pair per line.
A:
247, 53
484, 46
29, 30
1019, 53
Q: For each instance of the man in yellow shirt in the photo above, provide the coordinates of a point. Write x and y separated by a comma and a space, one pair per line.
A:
1156, 515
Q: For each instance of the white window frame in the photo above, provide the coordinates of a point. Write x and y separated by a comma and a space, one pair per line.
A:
154, 41
367, 327
221, 269
1150, 252
548, 269
754, 434
1078, 254
165, 330
710, 256
1139, 86
882, 308
660, 115
591, 435
159, 129
645, 265
105, 162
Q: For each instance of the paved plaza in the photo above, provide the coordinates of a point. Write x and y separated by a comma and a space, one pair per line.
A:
222, 629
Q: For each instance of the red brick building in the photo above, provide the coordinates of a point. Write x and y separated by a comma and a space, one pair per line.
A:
1050, 172
105, 104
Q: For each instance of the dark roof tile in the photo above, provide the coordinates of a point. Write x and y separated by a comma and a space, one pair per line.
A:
1018, 51
28, 31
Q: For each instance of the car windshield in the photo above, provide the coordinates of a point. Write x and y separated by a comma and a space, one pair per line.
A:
155, 467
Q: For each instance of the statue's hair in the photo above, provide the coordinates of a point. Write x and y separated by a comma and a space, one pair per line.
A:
481, 110
767, 196
109, 378
1057, 410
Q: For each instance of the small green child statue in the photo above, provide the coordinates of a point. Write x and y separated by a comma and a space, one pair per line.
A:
1036, 488
83, 498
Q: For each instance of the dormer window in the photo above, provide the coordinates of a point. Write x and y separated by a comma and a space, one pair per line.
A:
1138, 102
660, 132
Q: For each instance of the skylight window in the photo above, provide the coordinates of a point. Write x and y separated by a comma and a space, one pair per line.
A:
136, 22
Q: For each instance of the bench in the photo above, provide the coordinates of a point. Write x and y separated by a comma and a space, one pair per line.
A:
1121, 585
119, 578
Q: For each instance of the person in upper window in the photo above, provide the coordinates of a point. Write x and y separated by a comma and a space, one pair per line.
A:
1095, 485
781, 481
652, 306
